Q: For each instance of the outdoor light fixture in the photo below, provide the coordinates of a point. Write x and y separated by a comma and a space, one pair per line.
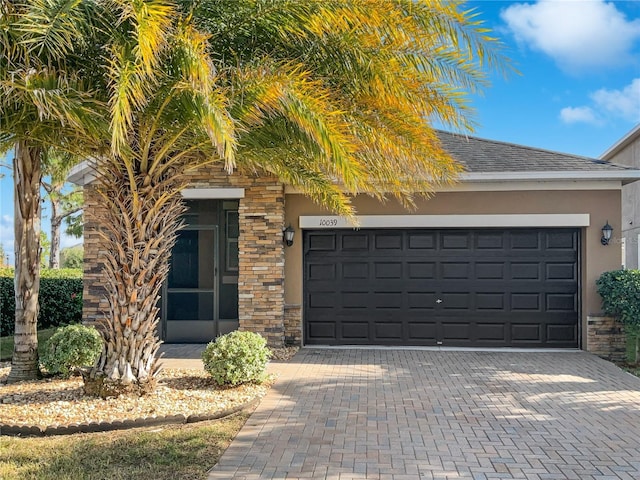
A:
287, 236
606, 234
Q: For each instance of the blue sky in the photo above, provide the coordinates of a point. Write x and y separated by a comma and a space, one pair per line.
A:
578, 90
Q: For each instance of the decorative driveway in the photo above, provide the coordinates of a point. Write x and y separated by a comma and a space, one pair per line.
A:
422, 414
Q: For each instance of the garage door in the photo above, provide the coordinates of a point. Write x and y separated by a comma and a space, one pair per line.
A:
472, 288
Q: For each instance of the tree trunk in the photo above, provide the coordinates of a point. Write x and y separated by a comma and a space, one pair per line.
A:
26, 177
138, 231
56, 222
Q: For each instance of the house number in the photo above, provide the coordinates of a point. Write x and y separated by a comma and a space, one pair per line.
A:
328, 222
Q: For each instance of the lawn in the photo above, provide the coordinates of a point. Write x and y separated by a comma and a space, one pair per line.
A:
170, 452
6, 343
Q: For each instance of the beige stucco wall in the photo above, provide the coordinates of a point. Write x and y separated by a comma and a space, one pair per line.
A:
601, 205
630, 156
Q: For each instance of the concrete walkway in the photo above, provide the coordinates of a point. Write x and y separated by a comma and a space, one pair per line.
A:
416, 414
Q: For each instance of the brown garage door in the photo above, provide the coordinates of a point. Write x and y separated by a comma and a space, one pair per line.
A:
475, 288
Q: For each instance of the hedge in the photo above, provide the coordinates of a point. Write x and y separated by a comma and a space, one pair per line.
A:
60, 298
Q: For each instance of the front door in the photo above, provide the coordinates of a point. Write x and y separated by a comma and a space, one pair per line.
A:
192, 308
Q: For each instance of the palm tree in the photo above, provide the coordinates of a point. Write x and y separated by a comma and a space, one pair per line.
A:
334, 97
339, 97
44, 102
167, 114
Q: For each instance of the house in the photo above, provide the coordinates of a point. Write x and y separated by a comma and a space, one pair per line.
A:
627, 152
508, 257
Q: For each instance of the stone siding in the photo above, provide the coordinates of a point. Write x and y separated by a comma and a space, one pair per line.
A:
606, 338
293, 325
94, 295
261, 251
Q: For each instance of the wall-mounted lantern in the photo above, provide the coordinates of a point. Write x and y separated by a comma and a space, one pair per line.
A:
606, 234
287, 236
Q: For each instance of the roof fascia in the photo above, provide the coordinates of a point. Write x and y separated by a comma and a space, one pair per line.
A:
625, 176
632, 135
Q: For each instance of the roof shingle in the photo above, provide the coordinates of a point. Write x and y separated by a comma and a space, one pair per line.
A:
479, 155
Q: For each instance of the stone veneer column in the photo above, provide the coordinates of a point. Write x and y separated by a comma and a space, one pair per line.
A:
261, 270
93, 293
606, 337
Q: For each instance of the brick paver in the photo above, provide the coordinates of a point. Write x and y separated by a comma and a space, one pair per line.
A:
418, 414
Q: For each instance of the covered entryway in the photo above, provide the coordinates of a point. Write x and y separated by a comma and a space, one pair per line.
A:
200, 297
456, 287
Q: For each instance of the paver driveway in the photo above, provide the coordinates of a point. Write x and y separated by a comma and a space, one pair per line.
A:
415, 414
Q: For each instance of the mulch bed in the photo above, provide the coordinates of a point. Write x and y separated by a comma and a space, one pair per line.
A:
59, 406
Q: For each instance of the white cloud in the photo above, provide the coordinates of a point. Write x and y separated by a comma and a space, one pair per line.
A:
623, 103
578, 115
607, 104
577, 34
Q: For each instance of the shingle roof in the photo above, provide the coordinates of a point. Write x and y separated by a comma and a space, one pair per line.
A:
479, 155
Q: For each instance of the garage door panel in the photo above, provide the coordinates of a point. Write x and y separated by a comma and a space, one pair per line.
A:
531, 333
561, 271
460, 332
525, 271
489, 241
561, 302
321, 271
560, 333
384, 270
455, 241
385, 331
525, 302
491, 332
421, 300
355, 270
490, 301
354, 330
455, 270
355, 299
509, 287
455, 301
421, 270
565, 241
525, 240
322, 330
355, 242
387, 300
490, 271
423, 331
322, 242
388, 241
421, 241
322, 300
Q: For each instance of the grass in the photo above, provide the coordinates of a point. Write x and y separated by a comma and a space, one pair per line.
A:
167, 453
6, 343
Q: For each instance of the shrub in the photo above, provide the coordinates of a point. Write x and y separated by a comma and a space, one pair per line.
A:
72, 257
620, 292
60, 299
71, 347
236, 358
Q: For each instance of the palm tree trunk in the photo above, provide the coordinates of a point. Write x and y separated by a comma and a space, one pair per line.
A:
138, 231
56, 222
26, 176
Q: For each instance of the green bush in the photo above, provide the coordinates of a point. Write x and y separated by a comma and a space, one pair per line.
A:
71, 347
236, 358
60, 299
620, 292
